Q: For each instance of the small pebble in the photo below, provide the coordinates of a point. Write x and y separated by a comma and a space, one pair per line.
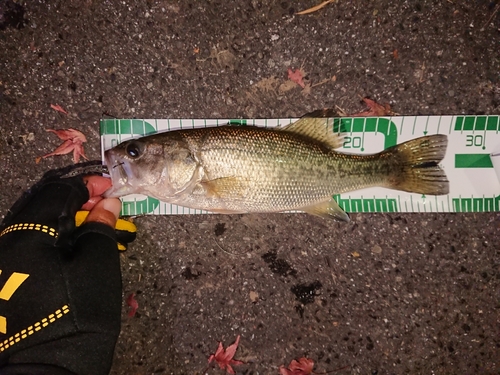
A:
254, 296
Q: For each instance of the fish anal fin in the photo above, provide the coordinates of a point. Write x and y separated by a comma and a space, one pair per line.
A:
328, 209
319, 129
225, 187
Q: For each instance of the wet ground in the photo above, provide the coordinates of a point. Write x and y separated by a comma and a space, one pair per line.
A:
384, 294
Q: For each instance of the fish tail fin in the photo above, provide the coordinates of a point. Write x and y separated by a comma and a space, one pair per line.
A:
418, 161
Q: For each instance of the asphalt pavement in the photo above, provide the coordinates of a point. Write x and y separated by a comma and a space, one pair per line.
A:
383, 294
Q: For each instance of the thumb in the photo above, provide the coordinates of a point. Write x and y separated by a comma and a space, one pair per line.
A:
105, 211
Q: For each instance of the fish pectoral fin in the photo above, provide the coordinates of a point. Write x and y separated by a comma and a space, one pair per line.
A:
329, 209
319, 129
225, 187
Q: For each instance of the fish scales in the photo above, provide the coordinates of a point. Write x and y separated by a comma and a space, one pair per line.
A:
282, 170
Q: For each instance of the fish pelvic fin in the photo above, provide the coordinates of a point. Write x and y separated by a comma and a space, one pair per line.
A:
319, 129
328, 209
419, 171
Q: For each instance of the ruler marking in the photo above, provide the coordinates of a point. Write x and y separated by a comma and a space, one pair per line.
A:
484, 133
363, 137
426, 125
414, 124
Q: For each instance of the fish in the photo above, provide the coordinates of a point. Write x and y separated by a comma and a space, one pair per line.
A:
247, 169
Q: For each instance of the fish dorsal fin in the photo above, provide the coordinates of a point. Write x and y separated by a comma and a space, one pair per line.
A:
319, 129
328, 209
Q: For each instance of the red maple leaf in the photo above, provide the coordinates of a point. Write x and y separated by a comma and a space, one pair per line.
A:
58, 108
224, 358
73, 141
303, 367
296, 76
374, 109
134, 305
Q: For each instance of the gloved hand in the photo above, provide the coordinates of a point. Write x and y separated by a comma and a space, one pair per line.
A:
125, 230
60, 286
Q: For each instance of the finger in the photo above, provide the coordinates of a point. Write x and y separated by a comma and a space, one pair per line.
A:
105, 211
97, 185
91, 203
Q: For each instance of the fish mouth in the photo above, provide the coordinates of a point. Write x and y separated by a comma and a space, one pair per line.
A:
120, 173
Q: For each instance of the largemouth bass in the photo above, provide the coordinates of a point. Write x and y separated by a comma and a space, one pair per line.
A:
243, 169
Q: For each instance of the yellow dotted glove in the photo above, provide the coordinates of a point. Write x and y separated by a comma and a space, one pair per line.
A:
125, 230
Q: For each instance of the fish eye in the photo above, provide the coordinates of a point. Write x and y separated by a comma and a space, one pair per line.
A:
133, 150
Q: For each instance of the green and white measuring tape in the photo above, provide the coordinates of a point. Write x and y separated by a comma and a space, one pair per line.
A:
474, 183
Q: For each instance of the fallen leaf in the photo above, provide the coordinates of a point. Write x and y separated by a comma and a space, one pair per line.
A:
58, 108
296, 76
303, 367
73, 141
395, 54
224, 358
355, 254
315, 8
287, 86
307, 90
134, 305
27, 137
375, 109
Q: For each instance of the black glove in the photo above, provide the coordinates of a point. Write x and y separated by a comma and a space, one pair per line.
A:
60, 286
125, 229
